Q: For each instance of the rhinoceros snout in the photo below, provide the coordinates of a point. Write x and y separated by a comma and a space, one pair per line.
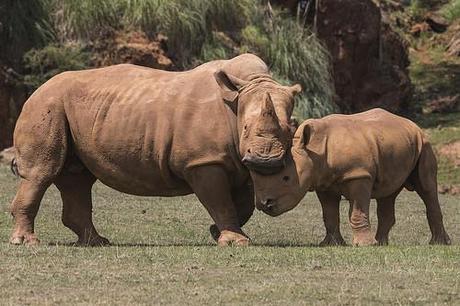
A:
263, 165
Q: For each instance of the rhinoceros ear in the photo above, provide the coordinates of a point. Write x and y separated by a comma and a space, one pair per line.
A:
302, 136
229, 86
295, 89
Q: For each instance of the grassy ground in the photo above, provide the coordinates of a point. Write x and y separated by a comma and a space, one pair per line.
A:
162, 254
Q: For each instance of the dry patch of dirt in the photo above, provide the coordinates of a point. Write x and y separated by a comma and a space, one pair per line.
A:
452, 152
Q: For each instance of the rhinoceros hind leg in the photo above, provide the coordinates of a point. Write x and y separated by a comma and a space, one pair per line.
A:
386, 218
211, 186
24, 210
425, 181
331, 216
75, 189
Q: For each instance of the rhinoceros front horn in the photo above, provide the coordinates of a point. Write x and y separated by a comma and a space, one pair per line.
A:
266, 155
268, 118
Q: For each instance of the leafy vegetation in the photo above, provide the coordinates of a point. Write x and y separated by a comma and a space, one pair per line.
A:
45, 63
451, 11
197, 31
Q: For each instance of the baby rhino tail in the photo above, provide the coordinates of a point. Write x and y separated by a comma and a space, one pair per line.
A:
14, 167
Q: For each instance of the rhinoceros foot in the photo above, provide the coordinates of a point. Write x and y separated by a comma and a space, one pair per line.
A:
441, 239
363, 239
95, 241
215, 233
27, 239
332, 240
229, 238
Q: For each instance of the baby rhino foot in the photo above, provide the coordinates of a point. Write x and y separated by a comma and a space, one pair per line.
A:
26, 239
332, 240
215, 233
228, 238
441, 239
363, 239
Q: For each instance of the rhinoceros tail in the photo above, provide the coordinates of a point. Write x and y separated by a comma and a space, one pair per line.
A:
14, 167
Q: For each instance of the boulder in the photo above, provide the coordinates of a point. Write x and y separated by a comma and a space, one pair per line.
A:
135, 48
370, 59
437, 23
453, 48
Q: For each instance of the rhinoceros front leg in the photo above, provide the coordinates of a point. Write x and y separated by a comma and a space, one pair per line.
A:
212, 187
358, 192
243, 199
75, 189
331, 216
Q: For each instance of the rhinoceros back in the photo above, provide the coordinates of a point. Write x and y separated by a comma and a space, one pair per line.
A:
374, 144
138, 130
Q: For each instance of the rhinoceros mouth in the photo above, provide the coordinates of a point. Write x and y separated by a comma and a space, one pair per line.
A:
263, 165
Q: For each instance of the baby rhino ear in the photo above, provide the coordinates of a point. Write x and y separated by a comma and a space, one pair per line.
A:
295, 89
302, 136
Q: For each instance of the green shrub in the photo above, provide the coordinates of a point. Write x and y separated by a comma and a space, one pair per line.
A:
43, 64
197, 31
296, 55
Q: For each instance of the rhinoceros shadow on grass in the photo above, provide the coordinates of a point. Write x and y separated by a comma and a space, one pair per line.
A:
152, 133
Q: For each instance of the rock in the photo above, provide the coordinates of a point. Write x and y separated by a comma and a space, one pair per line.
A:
6, 156
449, 189
419, 28
370, 60
453, 48
445, 104
135, 48
437, 23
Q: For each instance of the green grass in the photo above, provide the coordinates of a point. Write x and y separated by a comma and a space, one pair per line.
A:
451, 11
162, 254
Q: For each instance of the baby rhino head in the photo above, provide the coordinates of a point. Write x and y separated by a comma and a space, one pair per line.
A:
281, 192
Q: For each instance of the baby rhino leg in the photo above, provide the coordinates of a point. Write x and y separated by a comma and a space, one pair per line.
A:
358, 192
331, 217
386, 218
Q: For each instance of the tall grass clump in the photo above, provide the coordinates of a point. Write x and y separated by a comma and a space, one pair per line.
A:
23, 25
295, 54
202, 30
86, 19
188, 24
451, 11
43, 64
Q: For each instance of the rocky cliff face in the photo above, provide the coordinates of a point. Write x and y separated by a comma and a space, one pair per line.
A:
370, 60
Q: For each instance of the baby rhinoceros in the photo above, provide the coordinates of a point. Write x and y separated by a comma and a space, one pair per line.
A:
370, 155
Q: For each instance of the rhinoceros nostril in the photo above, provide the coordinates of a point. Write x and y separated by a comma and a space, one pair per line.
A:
268, 203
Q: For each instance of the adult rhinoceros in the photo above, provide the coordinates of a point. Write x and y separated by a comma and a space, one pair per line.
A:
152, 133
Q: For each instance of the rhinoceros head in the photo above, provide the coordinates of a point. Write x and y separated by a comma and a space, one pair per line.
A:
282, 191
263, 108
